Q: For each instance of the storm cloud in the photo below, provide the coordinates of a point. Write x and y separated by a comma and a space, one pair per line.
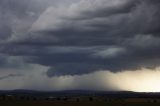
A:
82, 37
10, 75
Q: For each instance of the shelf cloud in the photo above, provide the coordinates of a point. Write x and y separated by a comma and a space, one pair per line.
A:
79, 37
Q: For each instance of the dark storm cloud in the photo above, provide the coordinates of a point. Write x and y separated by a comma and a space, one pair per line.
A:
88, 36
10, 75
16, 17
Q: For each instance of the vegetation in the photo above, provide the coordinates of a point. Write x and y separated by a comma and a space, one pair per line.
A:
9, 100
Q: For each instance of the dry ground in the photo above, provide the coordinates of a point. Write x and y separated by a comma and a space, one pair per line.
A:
85, 102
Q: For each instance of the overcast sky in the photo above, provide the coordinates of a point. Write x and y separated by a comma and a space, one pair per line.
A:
77, 44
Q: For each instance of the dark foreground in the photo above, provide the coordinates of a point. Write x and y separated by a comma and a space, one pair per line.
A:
83, 101
77, 98
74, 104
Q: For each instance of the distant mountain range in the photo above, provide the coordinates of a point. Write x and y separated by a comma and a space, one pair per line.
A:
68, 93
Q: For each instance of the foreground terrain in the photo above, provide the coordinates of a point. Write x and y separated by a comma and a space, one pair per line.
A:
81, 101
78, 98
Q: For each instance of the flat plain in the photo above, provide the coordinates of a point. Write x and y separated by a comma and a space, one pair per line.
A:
80, 101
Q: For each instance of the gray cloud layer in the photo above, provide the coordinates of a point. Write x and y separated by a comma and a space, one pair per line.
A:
82, 36
10, 75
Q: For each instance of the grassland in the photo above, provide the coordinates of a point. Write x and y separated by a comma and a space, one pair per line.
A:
81, 101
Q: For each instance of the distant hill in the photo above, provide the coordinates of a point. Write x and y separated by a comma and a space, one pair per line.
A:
124, 94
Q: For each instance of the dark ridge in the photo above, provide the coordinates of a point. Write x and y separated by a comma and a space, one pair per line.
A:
72, 93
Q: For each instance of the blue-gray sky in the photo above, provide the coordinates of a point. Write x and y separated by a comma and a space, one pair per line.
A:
59, 38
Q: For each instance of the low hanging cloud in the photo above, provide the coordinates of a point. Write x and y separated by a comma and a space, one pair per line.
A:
82, 36
10, 75
143, 80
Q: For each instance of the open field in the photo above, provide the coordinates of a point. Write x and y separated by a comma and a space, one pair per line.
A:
77, 98
42, 103
81, 101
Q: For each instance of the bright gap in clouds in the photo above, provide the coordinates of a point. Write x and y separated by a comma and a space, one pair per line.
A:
143, 80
